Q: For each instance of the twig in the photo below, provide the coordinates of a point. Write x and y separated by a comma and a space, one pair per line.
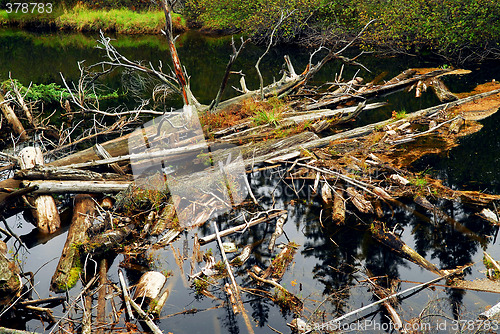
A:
126, 296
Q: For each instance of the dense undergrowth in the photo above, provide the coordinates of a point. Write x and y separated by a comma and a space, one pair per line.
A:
455, 29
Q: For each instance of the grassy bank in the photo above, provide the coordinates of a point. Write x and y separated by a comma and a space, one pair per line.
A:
81, 18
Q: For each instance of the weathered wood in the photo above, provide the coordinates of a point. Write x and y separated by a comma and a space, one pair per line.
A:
166, 217
338, 209
277, 232
63, 173
491, 260
45, 209
442, 92
107, 240
389, 239
12, 119
101, 296
10, 281
69, 266
359, 201
375, 90
367, 129
229, 231
148, 289
68, 186
280, 263
103, 154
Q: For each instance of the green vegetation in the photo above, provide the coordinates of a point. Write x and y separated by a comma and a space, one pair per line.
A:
82, 17
444, 27
397, 115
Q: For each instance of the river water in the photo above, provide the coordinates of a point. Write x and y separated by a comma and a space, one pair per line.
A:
330, 260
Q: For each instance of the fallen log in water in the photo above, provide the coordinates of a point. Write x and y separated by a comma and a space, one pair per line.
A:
280, 263
50, 187
63, 173
107, 240
45, 209
10, 281
213, 237
148, 289
278, 231
389, 239
70, 265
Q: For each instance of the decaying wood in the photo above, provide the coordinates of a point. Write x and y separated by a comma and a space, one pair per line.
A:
280, 263
103, 154
491, 312
166, 217
10, 281
291, 298
243, 257
234, 286
382, 293
493, 262
338, 209
148, 290
126, 296
45, 209
101, 296
62, 173
11, 117
107, 240
441, 91
69, 186
389, 239
69, 266
278, 231
213, 237
359, 201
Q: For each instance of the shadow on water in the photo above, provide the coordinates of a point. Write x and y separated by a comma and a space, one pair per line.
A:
331, 260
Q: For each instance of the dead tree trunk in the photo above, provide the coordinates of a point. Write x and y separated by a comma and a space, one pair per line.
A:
10, 281
148, 289
442, 92
45, 211
11, 117
392, 241
70, 266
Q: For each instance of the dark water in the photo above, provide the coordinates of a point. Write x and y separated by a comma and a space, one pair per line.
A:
330, 259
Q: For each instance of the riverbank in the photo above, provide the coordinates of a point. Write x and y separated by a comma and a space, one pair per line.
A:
83, 19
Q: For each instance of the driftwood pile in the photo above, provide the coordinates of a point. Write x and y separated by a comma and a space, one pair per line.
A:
362, 169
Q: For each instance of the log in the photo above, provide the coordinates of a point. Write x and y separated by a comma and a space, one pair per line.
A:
10, 281
338, 210
375, 90
367, 129
12, 119
359, 201
243, 257
166, 217
148, 290
389, 239
491, 312
50, 187
229, 231
70, 265
442, 92
277, 232
107, 240
63, 173
45, 211
280, 263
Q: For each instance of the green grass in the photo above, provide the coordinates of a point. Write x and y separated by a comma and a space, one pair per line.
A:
80, 18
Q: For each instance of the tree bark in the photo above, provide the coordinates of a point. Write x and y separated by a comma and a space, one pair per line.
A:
45, 212
11, 117
10, 281
49, 187
69, 266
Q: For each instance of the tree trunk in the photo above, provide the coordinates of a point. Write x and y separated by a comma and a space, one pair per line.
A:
11, 117
69, 266
442, 92
45, 212
392, 241
49, 187
10, 281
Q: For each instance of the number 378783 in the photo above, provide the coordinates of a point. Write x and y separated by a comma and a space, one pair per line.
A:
28, 7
